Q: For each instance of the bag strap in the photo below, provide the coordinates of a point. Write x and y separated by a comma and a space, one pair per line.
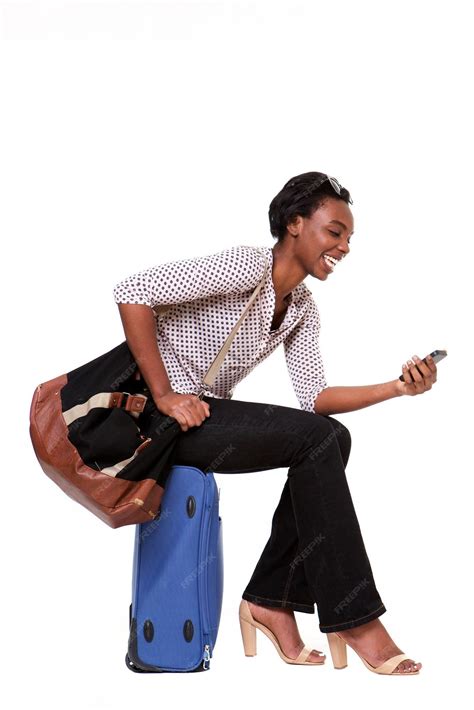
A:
211, 374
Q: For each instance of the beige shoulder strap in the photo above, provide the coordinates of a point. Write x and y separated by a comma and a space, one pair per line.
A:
211, 374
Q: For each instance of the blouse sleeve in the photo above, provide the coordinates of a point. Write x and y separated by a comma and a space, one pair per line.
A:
232, 270
303, 358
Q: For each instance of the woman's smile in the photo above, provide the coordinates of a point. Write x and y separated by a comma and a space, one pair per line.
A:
328, 264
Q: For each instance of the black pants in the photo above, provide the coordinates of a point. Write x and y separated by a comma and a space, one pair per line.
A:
315, 552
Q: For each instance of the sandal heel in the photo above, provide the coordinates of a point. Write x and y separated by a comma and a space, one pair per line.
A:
338, 649
249, 637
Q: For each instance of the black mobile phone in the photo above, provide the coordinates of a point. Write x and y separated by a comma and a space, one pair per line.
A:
437, 355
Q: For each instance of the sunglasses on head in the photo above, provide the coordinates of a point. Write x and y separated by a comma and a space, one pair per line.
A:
335, 184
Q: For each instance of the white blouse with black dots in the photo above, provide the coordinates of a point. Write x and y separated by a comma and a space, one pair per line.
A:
206, 296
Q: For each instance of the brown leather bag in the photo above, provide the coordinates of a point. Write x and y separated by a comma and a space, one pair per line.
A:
101, 446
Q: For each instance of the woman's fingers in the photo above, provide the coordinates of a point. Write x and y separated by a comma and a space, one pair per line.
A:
428, 369
191, 412
422, 367
182, 421
432, 368
187, 409
414, 371
406, 371
420, 374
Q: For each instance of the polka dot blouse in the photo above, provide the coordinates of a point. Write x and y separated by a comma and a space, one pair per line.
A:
205, 297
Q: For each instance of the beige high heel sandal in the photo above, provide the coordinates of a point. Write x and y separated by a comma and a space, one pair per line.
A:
338, 648
249, 626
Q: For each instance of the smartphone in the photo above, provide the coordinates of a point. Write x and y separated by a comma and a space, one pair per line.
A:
437, 355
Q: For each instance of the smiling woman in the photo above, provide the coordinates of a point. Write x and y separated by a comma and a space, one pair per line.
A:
303, 195
313, 229
312, 222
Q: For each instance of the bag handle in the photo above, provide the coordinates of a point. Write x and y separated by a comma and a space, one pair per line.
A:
213, 370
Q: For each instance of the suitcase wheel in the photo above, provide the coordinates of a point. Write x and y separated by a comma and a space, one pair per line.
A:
131, 666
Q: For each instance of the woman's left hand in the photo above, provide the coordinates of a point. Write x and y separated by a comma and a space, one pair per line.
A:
417, 376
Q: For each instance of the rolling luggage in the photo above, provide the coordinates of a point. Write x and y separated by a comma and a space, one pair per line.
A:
177, 583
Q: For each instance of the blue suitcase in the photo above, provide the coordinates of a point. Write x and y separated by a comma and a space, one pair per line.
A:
177, 584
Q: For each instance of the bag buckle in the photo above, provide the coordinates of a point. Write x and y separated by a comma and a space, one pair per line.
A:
133, 403
203, 391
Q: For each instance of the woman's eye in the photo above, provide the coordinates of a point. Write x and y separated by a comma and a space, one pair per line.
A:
336, 234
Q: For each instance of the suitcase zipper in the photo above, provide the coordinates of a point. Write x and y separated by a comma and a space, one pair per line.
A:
206, 656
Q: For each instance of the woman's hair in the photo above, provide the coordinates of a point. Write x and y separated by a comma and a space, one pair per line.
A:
299, 197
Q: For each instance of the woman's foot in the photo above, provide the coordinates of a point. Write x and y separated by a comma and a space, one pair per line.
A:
373, 642
281, 621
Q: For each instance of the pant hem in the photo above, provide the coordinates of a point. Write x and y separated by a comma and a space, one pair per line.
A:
264, 601
354, 622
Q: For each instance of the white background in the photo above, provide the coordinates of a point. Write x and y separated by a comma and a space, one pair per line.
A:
135, 133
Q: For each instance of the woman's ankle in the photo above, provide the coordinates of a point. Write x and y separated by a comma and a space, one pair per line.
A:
361, 629
273, 608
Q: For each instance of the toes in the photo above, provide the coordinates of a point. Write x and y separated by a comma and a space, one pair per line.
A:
408, 666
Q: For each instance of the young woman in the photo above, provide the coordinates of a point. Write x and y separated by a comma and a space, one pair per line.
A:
315, 553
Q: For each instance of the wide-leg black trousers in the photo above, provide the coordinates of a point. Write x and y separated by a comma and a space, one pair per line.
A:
315, 553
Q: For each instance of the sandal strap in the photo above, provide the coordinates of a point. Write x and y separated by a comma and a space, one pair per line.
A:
304, 654
389, 666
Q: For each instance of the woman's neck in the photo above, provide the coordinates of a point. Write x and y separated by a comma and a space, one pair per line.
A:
286, 272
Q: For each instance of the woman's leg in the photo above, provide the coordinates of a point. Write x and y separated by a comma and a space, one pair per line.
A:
282, 557
242, 437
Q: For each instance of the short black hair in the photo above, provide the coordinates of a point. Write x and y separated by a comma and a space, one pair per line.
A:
299, 197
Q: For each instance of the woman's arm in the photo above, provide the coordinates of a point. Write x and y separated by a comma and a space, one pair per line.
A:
232, 270
140, 332
418, 377
334, 400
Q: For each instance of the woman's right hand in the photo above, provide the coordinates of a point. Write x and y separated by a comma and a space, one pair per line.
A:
187, 409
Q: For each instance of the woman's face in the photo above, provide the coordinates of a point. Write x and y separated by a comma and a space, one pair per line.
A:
327, 231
